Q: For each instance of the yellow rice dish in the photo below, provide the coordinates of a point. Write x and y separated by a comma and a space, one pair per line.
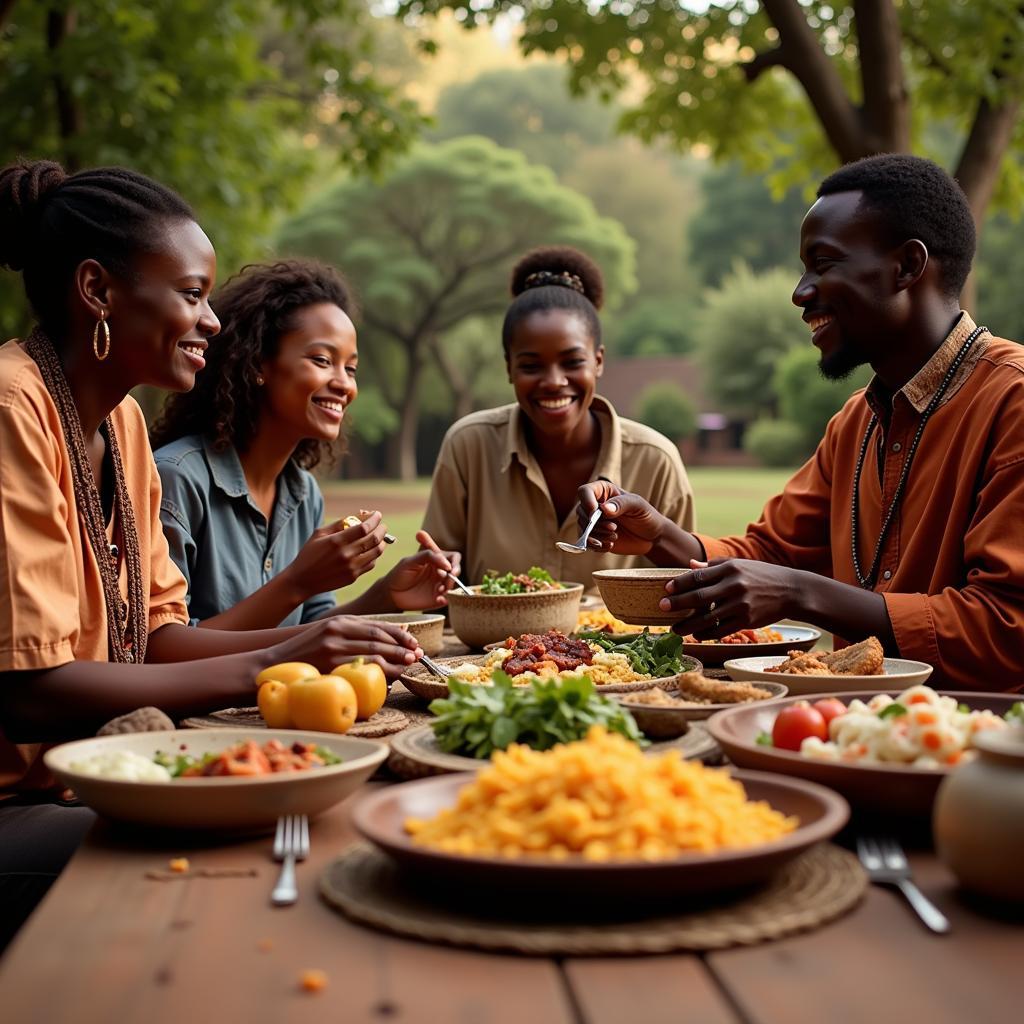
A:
600, 799
606, 668
601, 618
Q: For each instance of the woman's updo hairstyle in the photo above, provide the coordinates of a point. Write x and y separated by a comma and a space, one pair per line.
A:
554, 277
51, 221
255, 308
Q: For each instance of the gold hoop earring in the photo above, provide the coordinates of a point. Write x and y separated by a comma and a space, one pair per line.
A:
102, 322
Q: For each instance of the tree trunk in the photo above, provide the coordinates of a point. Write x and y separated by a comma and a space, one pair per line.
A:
59, 25
403, 444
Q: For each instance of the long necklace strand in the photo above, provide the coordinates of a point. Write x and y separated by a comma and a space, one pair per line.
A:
121, 620
867, 581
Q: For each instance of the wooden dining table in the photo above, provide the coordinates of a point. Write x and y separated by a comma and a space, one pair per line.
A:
112, 943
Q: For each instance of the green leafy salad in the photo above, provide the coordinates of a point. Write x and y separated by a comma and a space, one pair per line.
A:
475, 720
653, 654
518, 583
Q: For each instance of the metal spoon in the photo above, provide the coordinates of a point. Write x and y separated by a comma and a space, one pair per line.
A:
581, 545
462, 586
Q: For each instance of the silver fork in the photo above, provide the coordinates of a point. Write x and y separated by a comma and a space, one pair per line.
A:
885, 862
291, 843
441, 671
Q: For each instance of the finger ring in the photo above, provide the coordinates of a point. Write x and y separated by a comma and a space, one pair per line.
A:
718, 622
712, 606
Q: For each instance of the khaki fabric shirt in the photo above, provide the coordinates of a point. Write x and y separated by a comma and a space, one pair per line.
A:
490, 501
952, 565
52, 609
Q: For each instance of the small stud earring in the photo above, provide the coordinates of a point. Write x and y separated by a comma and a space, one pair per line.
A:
259, 380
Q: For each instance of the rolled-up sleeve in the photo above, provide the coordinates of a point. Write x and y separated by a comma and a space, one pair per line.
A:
446, 516
181, 511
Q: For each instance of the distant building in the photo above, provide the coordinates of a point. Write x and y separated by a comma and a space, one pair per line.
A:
719, 440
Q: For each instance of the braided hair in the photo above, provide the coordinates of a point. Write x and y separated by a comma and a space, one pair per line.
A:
256, 308
554, 277
51, 221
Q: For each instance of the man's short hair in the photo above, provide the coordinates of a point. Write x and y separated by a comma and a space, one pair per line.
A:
916, 199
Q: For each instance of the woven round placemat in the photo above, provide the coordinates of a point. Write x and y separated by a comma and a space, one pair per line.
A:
415, 755
820, 885
383, 723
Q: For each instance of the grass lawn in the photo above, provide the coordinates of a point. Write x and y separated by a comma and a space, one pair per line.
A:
727, 500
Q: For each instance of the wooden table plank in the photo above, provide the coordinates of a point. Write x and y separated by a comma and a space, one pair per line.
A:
879, 963
108, 944
648, 990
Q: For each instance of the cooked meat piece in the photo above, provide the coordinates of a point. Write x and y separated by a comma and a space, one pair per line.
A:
533, 649
694, 686
802, 663
863, 659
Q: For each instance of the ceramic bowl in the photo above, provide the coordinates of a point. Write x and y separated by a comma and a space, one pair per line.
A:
217, 803
380, 818
896, 672
632, 595
484, 618
428, 629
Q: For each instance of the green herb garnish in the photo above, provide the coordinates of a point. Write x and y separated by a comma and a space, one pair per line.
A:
963, 709
893, 710
764, 739
1016, 713
177, 763
476, 720
518, 583
654, 654
327, 756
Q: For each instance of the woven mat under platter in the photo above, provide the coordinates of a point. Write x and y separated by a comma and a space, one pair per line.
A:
820, 885
384, 723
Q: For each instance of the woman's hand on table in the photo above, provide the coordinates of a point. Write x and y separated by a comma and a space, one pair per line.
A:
629, 525
728, 594
328, 642
422, 580
337, 555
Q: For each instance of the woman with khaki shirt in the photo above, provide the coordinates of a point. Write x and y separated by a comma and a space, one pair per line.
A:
505, 483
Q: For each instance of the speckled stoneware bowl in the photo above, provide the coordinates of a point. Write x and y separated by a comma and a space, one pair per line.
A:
632, 595
484, 618
428, 629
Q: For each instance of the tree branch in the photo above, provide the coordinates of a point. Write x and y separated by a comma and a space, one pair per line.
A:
983, 151
886, 110
772, 58
803, 56
936, 60
59, 25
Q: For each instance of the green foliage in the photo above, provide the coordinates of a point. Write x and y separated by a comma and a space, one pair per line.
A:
663, 407
371, 418
430, 245
744, 328
193, 93
740, 220
657, 655
476, 720
808, 399
1000, 269
691, 69
653, 327
776, 443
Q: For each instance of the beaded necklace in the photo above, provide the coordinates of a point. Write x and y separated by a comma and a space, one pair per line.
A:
868, 581
127, 624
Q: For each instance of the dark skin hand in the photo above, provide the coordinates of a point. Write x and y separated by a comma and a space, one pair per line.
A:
727, 594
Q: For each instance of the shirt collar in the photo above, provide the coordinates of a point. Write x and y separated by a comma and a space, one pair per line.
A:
919, 390
227, 473
609, 459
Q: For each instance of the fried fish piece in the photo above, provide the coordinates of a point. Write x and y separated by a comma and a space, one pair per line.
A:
802, 663
863, 659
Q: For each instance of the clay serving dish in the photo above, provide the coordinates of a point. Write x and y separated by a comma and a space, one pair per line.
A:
896, 672
380, 818
484, 618
794, 638
428, 629
878, 789
632, 595
218, 803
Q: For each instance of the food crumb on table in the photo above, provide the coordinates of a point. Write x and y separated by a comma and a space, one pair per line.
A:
313, 980
179, 865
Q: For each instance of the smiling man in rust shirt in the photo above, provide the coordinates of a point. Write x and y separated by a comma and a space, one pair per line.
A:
908, 521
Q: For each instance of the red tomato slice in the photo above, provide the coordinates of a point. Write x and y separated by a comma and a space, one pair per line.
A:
829, 708
796, 723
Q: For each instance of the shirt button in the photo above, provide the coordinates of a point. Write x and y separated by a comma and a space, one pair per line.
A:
886, 575
897, 447
268, 565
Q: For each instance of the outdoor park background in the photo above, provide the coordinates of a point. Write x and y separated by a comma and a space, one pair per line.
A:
678, 144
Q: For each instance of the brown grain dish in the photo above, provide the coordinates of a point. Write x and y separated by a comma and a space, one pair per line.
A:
863, 659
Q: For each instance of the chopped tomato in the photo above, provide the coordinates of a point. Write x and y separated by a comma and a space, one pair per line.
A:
829, 708
797, 723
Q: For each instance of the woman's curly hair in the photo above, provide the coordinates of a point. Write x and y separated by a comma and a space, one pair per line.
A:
256, 307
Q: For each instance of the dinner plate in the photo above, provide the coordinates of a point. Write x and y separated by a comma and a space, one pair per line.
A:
420, 746
794, 638
423, 683
223, 802
898, 672
657, 720
380, 818
890, 790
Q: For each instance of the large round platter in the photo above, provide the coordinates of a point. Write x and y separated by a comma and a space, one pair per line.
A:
229, 802
380, 818
420, 747
893, 790
655, 719
423, 683
897, 672
794, 638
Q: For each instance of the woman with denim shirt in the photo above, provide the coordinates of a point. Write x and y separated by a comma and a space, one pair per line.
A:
240, 509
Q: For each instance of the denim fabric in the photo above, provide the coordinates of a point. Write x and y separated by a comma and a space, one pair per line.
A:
218, 537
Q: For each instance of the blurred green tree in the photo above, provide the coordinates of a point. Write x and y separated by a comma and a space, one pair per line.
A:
654, 327
431, 244
200, 94
663, 407
778, 443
